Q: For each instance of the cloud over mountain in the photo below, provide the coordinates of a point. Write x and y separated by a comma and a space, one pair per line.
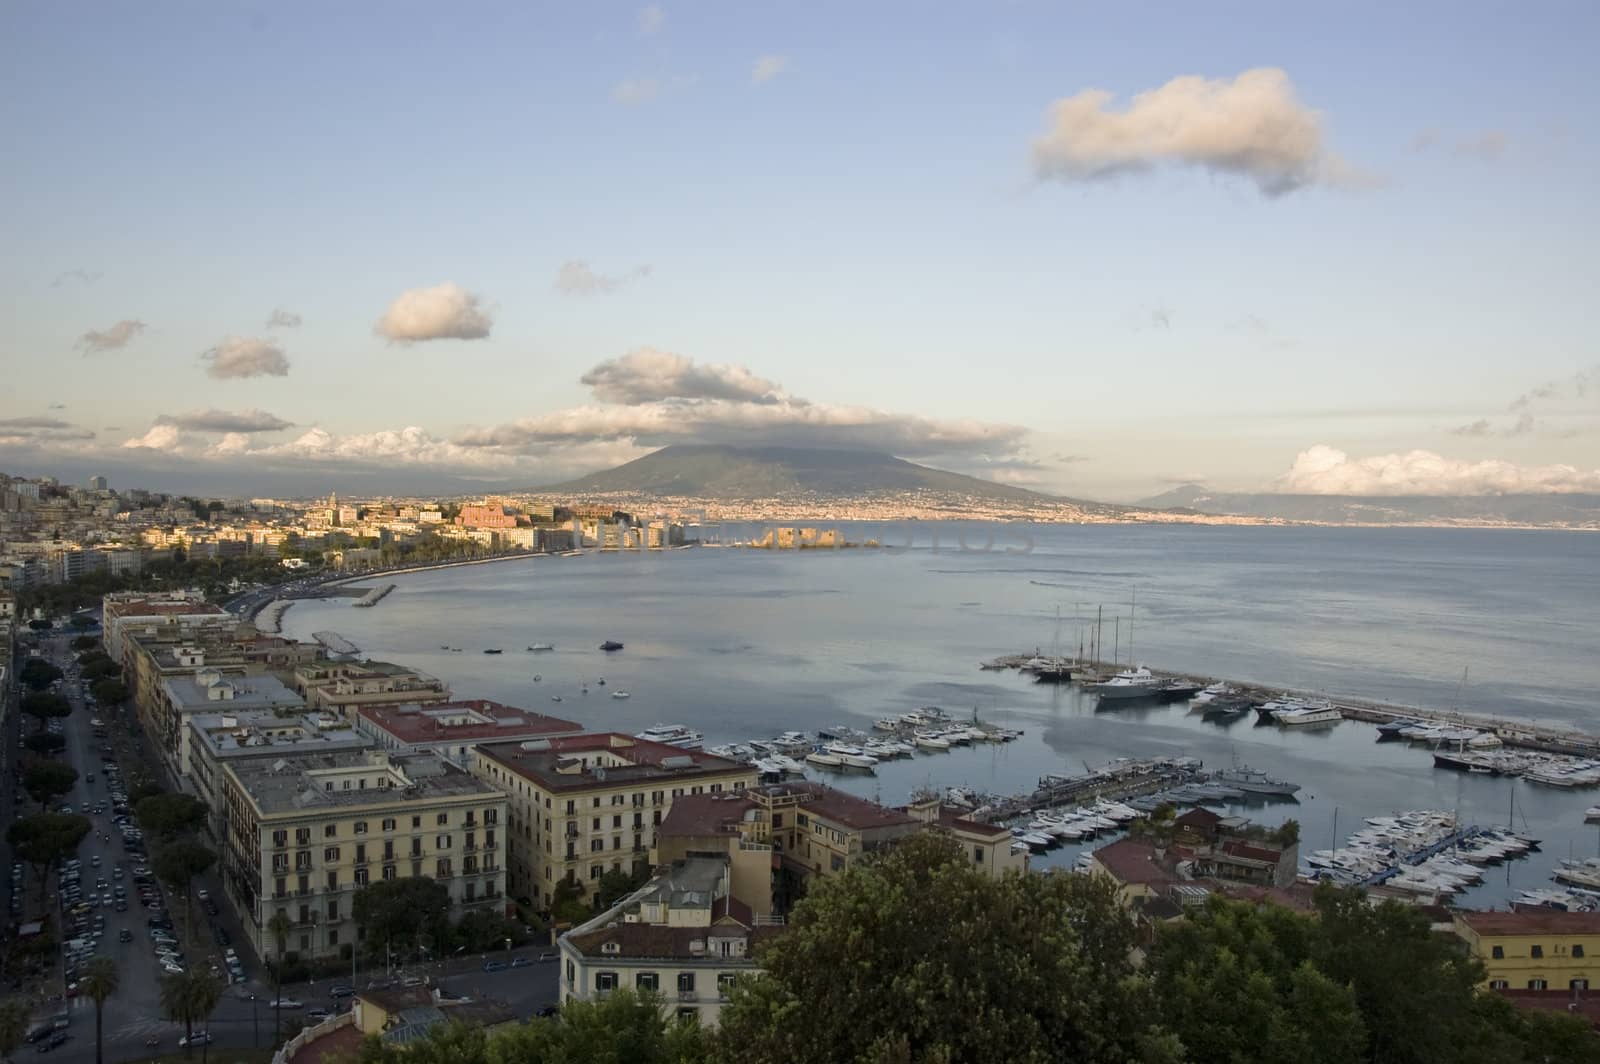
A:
240, 357
443, 312
649, 375
118, 336
1250, 126
243, 421
1324, 470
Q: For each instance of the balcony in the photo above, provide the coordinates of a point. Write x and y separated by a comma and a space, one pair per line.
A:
688, 995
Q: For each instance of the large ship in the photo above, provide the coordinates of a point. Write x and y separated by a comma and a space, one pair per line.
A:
1128, 684
672, 735
1252, 781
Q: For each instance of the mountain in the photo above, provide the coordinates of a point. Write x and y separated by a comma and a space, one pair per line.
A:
718, 471
1562, 511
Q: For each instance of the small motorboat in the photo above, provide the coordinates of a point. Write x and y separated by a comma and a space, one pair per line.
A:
601, 681
493, 652
1593, 813
610, 645
537, 677
555, 698
620, 694
538, 647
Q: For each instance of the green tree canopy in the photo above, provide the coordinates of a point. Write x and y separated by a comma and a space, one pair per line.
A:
617, 884
168, 816
930, 959
179, 862
45, 839
38, 673
101, 668
92, 657
45, 743
100, 980
44, 780
15, 1016
43, 705
567, 905
109, 692
189, 998
396, 913
85, 642
143, 789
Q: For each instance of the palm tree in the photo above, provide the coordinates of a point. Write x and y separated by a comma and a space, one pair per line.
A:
100, 980
188, 997
15, 1015
278, 927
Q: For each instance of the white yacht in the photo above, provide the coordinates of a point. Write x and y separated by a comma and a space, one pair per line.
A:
1130, 683
852, 755
825, 759
540, 647
788, 764
888, 724
672, 735
620, 694
1307, 714
930, 741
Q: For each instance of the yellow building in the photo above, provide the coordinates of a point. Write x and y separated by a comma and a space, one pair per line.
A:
304, 832
582, 805
1544, 950
344, 686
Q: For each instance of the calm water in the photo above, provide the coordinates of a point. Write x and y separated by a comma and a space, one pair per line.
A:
742, 644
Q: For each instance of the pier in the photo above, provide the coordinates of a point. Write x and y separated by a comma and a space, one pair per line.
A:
1117, 782
375, 596
1520, 733
336, 643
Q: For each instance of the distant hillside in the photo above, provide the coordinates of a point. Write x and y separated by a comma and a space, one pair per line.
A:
727, 472
1554, 510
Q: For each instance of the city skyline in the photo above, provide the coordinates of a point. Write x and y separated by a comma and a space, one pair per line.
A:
1090, 253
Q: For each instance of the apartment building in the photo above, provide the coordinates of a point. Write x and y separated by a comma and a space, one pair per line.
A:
452, 729
1537, 950
121, 611
683, 936
344, 686
209, 690
223, 735
303, 833
582, 805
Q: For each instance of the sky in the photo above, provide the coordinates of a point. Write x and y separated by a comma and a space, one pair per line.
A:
1092, 249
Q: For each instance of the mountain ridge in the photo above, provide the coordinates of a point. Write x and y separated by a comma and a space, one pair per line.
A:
1577, 510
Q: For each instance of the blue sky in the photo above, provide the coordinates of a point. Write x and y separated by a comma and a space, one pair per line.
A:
865, 229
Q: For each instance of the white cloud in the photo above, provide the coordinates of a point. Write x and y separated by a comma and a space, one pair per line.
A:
1324, 470
283, 319
443, 312
160, 438
636, 91
651, 19
119, 335
577, 277
239, 357
412, 446
1251, 126
768, 67
648, 375
25, 431
243, 421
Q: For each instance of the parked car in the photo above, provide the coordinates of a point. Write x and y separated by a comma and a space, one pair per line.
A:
341, 990
494, 966
199, 1038
285, 1003
520, 961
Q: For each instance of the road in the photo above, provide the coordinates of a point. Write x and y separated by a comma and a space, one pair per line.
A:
242, 1020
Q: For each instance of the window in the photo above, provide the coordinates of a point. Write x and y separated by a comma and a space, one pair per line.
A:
596, 845
595, 826
1536, 952
302, 836
977, 855
361, 827
416, 847
333, 911
1498, 953
837, 863
616, 821
442, 819
333, 936
333, 881
1577, 952
1578, 984
571, 970
685, 982
388, 823
1498, 984
571, 807
330, 831
331, 854
596, 871
687, 1015
1536, 984
302, 859
280, 862
416, 821
305, 884
280, 838
361, 877
802, 819
725, 982
597, 801
605, 980
647, 981
305, 914
777, 820
388, 871
442, 868
388, 849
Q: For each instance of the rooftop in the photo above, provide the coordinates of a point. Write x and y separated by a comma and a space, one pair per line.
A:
474, 720
839, 807
315, 781
688, 884
1541, 922
262, 732
161, 608
1132, 861
705, 814
659, 942
208, 689
603, 759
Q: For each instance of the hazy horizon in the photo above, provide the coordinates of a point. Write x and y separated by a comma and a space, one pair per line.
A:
1097, 253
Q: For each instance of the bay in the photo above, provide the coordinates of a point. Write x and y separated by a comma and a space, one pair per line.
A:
742, 644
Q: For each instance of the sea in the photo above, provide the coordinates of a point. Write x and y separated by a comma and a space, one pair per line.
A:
741, 643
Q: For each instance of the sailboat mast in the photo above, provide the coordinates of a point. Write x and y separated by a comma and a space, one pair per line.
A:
1099, 632
1116, 640
1133, 605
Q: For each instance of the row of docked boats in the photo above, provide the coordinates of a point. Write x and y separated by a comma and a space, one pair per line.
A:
1549, 770
1423, 852
1436, 734
1049, 829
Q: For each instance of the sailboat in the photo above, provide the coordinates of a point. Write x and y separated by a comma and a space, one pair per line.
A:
1053, 669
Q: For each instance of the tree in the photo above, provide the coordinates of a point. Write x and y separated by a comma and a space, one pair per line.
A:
99, 981
278, 927
167, 816
44, 780
179, 863
1159, 827
45, 743
42, 706
1286, 835
567, 905
143, 789
43, 840
85, 642
15, 1016
101, 668
109, 692
1235, 982
407, 912
616, 885
189, 997
38, 673
933, 960
90, 658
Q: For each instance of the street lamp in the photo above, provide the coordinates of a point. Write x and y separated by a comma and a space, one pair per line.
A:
255, 1028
